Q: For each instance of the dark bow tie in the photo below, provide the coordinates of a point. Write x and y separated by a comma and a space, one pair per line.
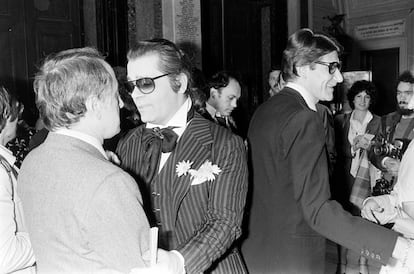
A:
154, 142
166, 137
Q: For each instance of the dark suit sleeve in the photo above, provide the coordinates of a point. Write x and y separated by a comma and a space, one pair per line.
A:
225, 208
307, 166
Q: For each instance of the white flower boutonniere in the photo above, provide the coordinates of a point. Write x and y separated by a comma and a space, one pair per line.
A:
183, 167
206, 172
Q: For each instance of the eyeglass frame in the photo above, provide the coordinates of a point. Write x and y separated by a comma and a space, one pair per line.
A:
332, 66
133, 83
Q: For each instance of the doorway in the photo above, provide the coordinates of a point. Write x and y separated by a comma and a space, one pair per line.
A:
384, 65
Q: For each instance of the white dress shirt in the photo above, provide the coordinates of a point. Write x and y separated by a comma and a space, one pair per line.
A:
179, 124
309, 99
84, 137
16, 253
212, 111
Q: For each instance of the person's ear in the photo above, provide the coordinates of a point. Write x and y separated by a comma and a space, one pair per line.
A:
94, 106
182, 82
213, 92
303, 71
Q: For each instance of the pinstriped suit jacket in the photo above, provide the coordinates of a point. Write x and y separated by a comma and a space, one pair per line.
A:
201, 221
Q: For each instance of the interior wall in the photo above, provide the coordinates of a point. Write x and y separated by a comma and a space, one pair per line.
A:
363, 12
320, 10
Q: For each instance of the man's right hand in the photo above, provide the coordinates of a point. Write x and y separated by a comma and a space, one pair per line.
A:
392, 165
168, 262
379, 209
171, 260
370, 208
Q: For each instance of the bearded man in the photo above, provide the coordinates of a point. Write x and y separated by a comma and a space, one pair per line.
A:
397, 125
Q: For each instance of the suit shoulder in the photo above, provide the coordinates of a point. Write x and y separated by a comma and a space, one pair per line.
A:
130, 136
376, 118
220, 132
392, 116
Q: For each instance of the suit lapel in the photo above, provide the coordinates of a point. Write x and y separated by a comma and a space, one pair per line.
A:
194, 146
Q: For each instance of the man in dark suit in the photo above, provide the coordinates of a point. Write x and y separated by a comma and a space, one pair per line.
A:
196, 188
292, 211
222, 92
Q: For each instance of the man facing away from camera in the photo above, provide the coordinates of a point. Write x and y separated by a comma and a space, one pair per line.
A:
292, 211
196, 187
83, 213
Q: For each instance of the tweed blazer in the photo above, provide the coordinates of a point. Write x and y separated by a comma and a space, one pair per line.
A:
84, 214
201, 221
292, 211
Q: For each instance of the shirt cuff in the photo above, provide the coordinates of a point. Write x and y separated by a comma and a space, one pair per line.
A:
180, 256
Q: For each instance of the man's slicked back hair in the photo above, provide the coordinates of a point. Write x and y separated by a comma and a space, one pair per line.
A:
305, 47
172, 60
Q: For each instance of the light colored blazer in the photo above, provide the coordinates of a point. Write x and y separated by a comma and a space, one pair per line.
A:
201, 221
83, 213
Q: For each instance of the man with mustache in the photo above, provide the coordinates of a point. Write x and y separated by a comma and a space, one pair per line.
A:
396, 125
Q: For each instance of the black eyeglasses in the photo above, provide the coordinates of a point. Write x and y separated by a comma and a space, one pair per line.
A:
332, 66
146, 85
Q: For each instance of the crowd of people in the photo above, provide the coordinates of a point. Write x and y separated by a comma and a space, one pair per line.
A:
222, 202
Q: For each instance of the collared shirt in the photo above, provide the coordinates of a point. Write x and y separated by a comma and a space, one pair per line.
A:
179, 124
309, 99
15, 248
214, 114
211, 110
83, 137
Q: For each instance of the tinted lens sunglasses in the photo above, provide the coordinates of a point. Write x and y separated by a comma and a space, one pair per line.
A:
145, 85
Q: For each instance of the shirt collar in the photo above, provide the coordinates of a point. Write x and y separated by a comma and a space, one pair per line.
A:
179, 120
83, 137
366, 120
309, 99
211, 110
7, 154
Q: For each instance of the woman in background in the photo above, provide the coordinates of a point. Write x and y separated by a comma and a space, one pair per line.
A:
353, 134
16, 254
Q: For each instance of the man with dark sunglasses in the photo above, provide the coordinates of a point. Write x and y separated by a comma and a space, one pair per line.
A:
292, 212
193, 171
